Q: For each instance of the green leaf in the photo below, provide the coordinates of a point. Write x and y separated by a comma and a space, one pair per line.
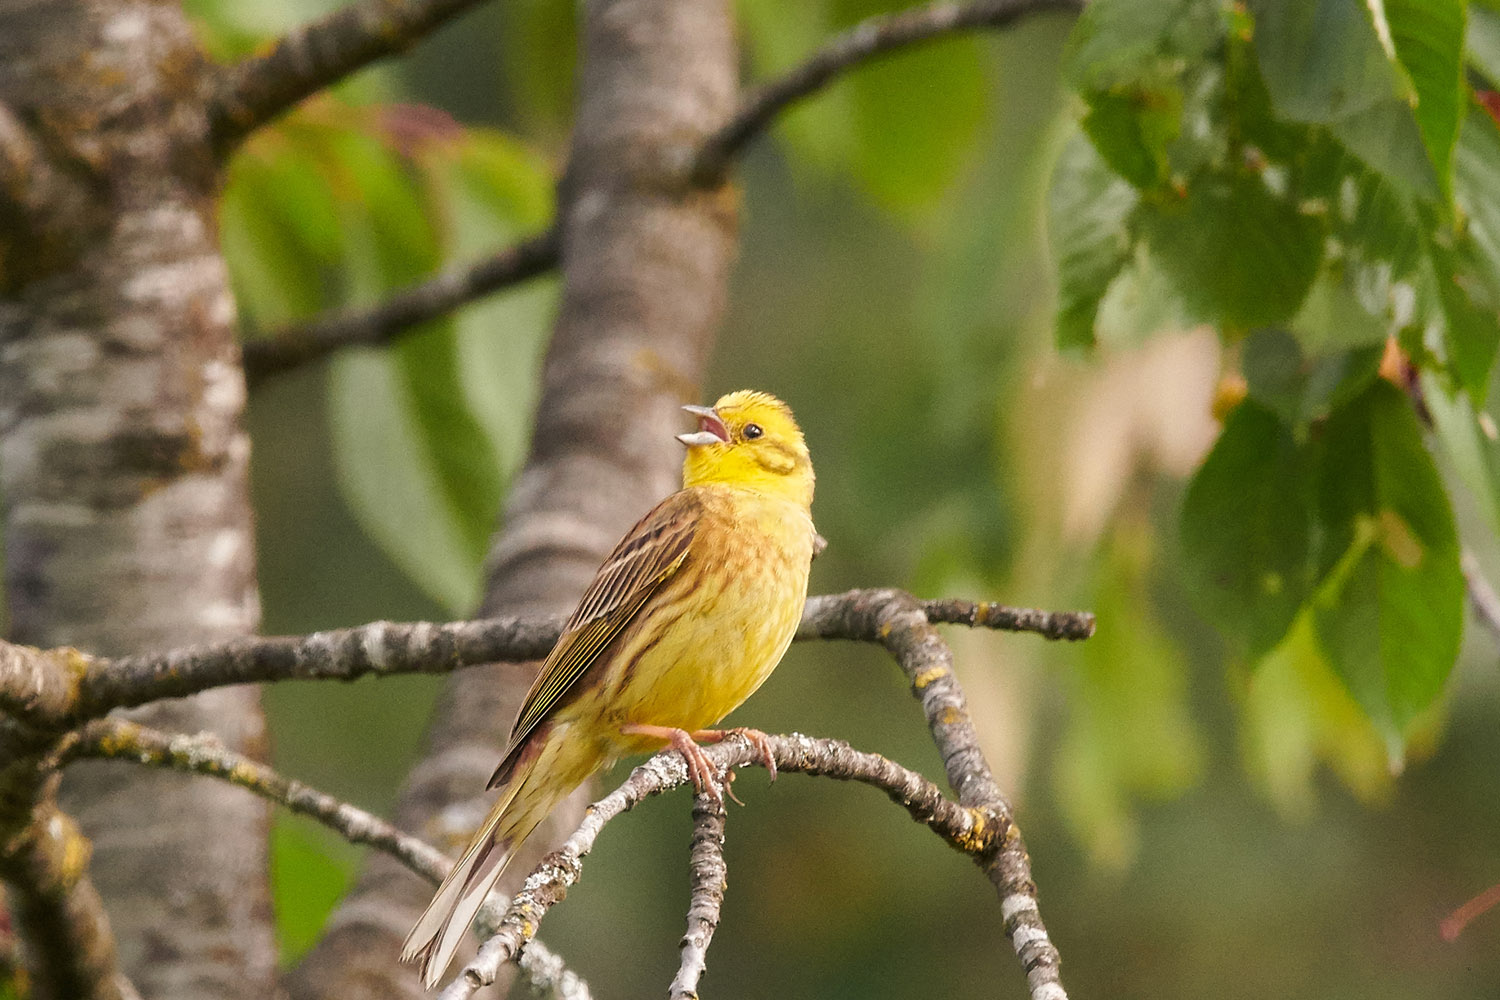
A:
1471, 312
1130, 733
1240, 255
1334, 63
1132, 130
1387, 137
1115, 41
1471, 441
389, 478
1353, 304
1088, 207
1389, 605
1245, 529
1140, 302
1298, 713
416, 457
1429, 40
1298, 388
1482, 43
1476, 189
1323, 60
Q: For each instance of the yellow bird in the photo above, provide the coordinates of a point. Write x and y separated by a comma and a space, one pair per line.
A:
686, 618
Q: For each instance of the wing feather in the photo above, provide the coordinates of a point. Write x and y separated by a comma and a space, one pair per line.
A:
647, 557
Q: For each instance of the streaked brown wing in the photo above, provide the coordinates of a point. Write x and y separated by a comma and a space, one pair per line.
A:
646, 557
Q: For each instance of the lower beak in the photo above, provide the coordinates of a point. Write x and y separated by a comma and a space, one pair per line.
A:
711, 429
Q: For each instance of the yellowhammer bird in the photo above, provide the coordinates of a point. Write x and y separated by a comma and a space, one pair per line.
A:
685, 619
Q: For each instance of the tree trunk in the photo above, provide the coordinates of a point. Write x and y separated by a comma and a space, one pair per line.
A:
645, 272
122, 456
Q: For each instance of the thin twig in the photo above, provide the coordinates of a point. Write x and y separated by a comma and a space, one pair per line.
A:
977, 832
319, 53
295, 345
1070, 625
118, 739
316, 55
1481, 593
872, 37
710, 876
202, 753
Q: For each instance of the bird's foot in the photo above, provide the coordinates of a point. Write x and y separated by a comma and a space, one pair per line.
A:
759, 742
701, 771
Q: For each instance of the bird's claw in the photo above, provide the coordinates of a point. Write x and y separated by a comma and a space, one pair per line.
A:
701, 771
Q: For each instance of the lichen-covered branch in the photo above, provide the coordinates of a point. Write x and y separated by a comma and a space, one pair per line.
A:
71, 950
63, 687
710, 877
341, 654
978, 832
899, 622
379, 324
875, 36
202, 753
316, 55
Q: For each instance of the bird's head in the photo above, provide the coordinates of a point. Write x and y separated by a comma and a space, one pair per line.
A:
749, 439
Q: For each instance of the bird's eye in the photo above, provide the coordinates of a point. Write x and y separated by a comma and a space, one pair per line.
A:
752, 431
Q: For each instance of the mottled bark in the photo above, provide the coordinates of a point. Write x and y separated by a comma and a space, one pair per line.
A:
645, 263
123, 461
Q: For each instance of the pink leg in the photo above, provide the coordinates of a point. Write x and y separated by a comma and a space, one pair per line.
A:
700, 770
759, 742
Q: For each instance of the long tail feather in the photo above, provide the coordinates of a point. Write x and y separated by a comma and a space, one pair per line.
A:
440, 930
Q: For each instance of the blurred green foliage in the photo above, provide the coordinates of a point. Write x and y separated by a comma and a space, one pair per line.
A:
1309, 179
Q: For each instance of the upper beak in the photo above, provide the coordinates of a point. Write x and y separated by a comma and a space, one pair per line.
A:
711, 429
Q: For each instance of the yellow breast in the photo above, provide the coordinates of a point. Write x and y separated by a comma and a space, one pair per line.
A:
723, 623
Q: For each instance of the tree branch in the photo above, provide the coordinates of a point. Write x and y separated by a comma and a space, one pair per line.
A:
710, 878
709, 167
1481, 594
318, 54
97, 686
899, 622
117, 739
977, 832
868, 39
380, 324
59, 913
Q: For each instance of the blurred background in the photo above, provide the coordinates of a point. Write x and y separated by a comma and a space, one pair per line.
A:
1197, 829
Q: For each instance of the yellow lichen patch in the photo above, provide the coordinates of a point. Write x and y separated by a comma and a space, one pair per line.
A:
980, 837
884, 631
76, 664
927, 676
244, 773
119, 740
950, 715
76, 848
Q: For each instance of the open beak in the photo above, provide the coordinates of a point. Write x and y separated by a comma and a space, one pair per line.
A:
711, 429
